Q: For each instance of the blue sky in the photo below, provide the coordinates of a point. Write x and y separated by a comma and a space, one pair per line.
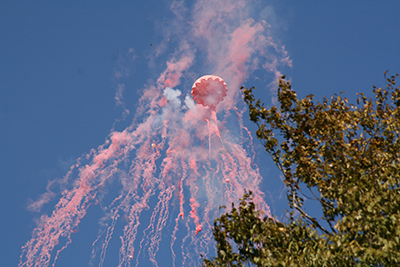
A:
57, 84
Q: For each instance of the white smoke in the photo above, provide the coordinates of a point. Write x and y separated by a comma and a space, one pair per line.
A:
173, 96
189, 103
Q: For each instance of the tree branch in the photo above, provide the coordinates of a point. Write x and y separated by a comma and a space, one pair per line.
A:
313, 220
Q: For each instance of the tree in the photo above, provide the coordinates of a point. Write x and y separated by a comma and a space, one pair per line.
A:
347, 156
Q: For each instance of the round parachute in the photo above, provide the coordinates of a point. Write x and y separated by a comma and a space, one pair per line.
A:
209, 90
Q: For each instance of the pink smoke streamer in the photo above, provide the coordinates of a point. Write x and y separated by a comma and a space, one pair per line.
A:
187, 153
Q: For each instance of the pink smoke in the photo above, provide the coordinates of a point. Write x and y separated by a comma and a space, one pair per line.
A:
171, 150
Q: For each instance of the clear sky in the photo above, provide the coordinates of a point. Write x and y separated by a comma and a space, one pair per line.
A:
63, 65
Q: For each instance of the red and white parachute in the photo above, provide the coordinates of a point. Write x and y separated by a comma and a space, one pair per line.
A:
209, 90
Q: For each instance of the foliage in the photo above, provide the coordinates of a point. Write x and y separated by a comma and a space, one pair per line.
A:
347, 156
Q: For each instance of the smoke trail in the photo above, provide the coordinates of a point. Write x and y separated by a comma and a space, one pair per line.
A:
172, 151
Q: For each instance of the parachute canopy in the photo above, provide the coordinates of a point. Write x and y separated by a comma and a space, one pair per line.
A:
209, 90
